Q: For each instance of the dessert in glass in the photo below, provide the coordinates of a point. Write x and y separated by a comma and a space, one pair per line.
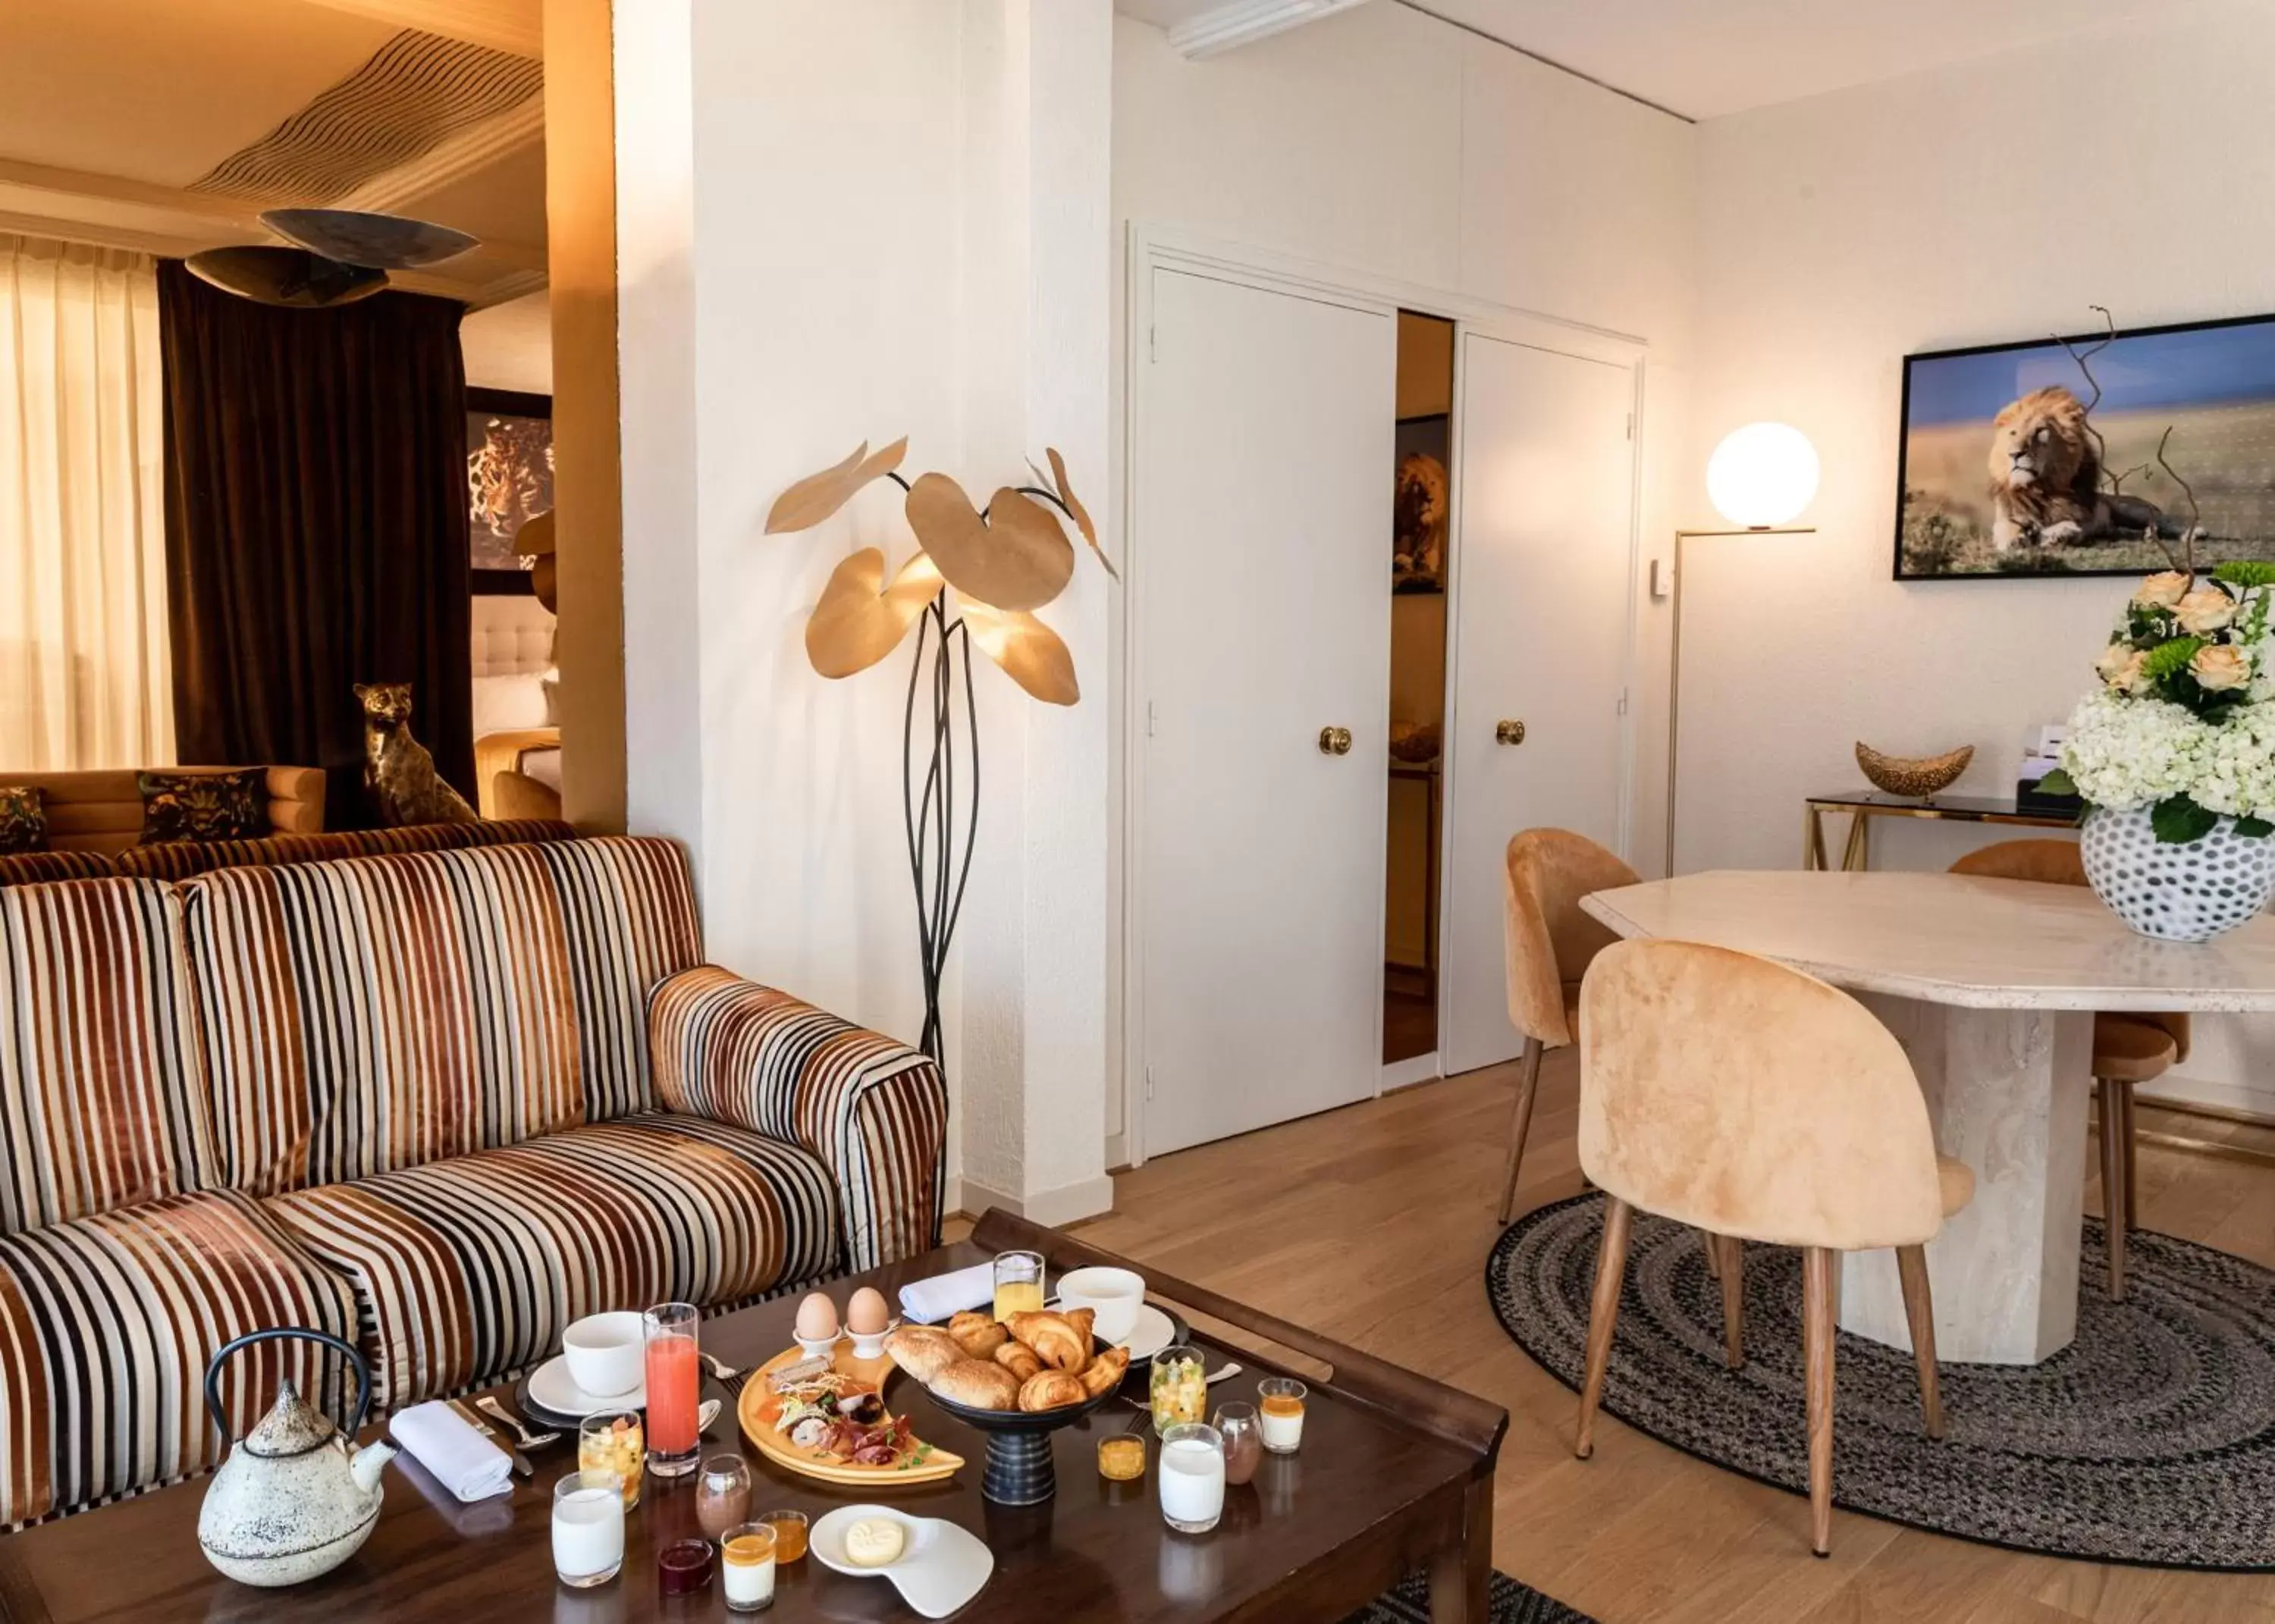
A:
746, 1566
1019, 1284
1192, 1477
1178, 1387
588, 1529
613, 1441
722, 1495
1280, 1400
789, 1533
675, 1382
1239, 1427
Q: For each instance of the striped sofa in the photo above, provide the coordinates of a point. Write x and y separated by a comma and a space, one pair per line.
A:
440, 1103
178, 859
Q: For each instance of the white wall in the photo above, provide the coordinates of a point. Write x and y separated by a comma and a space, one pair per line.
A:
1971, 205
510, 346
1383, 141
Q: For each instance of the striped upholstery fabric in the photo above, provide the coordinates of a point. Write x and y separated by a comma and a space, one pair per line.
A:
107, 1324
384, 1012
27, 868
469, 1269
874, 1110
98, 1105
180, 859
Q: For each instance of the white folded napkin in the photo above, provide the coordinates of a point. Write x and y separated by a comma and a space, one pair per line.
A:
460, 1459
946, 1295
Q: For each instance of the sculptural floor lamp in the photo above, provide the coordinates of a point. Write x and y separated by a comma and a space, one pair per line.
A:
1760, 478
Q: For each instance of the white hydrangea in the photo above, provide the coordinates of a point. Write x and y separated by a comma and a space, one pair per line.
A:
2239, 766
2125, 753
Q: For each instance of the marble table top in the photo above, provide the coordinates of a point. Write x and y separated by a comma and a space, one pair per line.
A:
1951, 938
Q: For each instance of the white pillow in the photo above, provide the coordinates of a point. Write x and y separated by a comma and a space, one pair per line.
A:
509, 704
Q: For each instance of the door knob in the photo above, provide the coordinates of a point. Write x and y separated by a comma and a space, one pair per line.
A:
1334, 741
1506, 731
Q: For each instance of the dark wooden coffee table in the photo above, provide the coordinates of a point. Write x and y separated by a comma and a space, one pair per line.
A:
1396, 1474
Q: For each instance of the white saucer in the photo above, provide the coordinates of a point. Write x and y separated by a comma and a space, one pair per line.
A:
942, 1566
1154, 1332
553, 1388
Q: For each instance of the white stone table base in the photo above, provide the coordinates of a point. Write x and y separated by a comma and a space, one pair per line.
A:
2007, 1094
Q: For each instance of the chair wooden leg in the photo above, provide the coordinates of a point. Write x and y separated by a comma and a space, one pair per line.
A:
2132, 1203
1603, 1319
2115, 1141
1732, 1251
1919, 1313
1819, 1308
1520, 1124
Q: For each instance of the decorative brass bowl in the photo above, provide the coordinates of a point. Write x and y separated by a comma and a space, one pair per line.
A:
1913, 775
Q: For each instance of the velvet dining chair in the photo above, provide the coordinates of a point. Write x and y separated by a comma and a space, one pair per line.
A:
2128, 1049
1732, 1092
1550, 942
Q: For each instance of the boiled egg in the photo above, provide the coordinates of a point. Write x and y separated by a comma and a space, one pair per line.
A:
817, 1318
866, 1314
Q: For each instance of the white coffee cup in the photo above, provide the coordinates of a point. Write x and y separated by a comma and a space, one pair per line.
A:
1114, 1295
607, 1353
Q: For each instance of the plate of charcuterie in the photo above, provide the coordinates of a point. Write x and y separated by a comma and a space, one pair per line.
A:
826, 1418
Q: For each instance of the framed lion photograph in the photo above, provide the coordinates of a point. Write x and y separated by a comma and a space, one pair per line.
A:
2100, 454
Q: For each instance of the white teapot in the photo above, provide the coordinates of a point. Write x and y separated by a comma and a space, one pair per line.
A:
290, 1502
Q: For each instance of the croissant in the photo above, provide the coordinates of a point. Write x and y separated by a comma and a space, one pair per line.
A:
1054, 1339
978, 1383
923, 1351
1019, 1359
976, 1335
1106, 1370
1050, 1390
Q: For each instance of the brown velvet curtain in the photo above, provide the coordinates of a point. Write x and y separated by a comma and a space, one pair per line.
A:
315, 529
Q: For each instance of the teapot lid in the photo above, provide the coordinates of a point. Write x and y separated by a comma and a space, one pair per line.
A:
290, 1428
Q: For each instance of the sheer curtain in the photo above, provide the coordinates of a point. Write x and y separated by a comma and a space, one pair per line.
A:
84, 663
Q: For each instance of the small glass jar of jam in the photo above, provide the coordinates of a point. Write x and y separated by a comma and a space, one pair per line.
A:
683, 1566
1122, 1457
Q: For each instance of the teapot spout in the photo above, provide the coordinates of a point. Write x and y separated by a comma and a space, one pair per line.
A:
367, 1462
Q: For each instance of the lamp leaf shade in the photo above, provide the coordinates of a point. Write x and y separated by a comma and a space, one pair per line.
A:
1762, 475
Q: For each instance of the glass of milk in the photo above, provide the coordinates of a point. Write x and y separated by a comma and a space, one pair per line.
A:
1192, 1477
588, 1528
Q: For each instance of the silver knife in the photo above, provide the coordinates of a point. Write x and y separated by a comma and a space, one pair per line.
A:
472, 1417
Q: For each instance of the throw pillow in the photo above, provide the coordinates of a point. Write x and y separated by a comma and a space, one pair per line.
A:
23, 819
232, 805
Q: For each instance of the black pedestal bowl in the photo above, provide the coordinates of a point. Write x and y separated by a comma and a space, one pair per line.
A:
1018, 1470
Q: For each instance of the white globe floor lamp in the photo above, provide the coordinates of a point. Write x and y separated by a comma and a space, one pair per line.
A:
1760, 478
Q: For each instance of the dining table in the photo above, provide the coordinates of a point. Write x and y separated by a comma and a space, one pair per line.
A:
1991, 986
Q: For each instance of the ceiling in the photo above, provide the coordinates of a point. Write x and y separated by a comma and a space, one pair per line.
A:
1704, 58
117, 117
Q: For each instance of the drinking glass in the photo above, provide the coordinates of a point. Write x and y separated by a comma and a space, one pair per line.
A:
612, 1440
675, 1382
746, 1566
1177, 1387
1019, 1284
722, 1495
1238, 1425
789, 1534
1192, 1477
588, 1528
1281, 1397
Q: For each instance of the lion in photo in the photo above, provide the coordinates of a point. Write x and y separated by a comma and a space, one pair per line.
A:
2045, 477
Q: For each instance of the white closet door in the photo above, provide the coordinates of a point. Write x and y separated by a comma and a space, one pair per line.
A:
1262, 551
1541, 606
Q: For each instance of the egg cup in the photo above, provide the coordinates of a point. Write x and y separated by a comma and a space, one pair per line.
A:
872, 1345
819, 1347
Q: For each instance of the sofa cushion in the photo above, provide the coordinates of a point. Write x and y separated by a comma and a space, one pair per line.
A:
107, 1324
372, 1014
468, 1270
30, 868
100, 1102
180, 859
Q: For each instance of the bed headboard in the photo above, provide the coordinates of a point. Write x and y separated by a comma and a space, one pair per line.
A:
513, 635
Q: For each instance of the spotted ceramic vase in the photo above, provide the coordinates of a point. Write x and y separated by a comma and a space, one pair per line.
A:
2177, 893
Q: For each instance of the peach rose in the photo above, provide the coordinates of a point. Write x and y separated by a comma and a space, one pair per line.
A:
2220, 667
2161, 592
2120, 667
2206, 609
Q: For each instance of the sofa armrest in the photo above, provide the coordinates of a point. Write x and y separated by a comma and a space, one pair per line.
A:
873, 1109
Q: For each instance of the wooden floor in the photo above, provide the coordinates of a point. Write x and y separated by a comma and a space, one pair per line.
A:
1371, 1225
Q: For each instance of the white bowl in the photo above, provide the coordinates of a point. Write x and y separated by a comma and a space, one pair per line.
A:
607, 1353
1114, 1295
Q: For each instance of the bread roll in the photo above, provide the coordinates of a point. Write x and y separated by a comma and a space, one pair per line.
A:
923, 1351
976, 1335
1106, 1370
1018, 1358
1054, 1339
979, 1383
1050, 1390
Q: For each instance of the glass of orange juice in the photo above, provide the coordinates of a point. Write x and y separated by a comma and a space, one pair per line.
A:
675, 1380
1019, 1284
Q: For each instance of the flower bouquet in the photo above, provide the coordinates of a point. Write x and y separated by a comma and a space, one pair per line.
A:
2175, 755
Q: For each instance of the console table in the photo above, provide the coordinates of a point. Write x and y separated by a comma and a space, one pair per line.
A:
1864, 805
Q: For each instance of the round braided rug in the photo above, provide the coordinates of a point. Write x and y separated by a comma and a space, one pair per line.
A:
2149, 1439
